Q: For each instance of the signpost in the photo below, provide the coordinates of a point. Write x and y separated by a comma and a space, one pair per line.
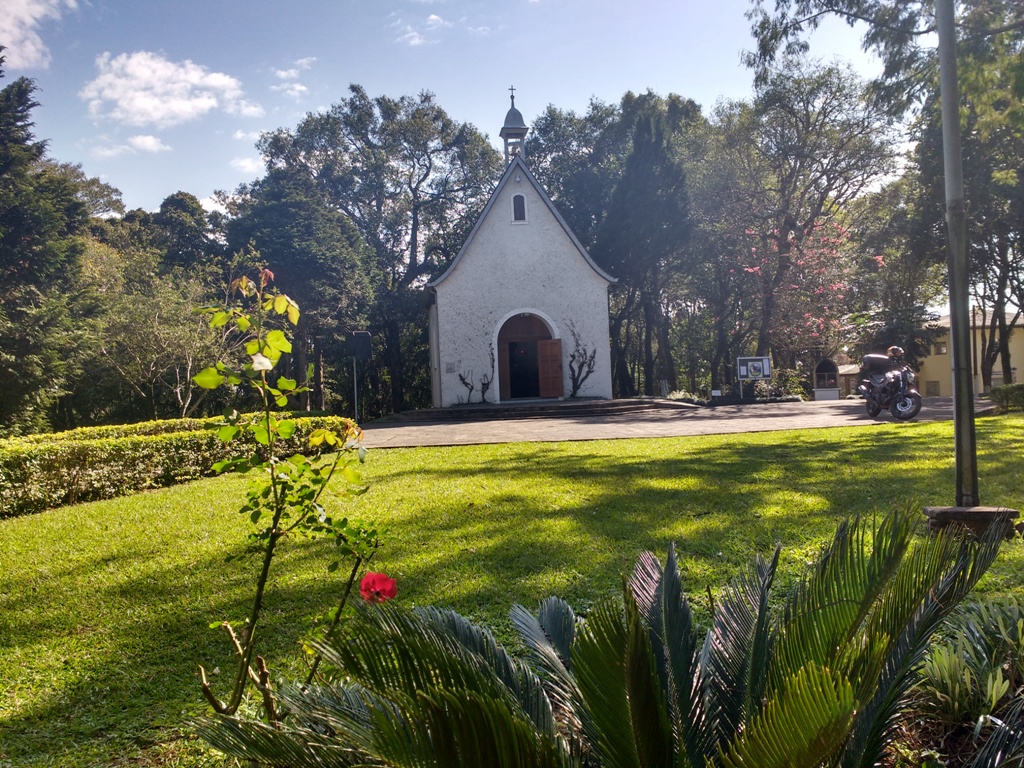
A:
753, 369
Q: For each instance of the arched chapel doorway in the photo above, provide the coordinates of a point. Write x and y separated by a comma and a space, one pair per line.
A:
529, 360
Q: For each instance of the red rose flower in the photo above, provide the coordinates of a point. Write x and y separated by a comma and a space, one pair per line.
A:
377, 587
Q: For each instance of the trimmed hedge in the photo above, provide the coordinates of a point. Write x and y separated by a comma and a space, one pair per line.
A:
46, 471
1008, 396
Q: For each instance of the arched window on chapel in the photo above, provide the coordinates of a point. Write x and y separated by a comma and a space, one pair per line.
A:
519, 208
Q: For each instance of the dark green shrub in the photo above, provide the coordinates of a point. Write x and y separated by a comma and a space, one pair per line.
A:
43, 472
1008, 396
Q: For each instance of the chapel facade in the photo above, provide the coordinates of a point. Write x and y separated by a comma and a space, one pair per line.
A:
522, 307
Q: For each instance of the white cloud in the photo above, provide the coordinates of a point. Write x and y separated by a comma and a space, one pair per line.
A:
481, 31
291, 90
212, 204
410, 36
144, 88
19, 24
245, 135
436, 22
247, 164
135, 145
294, 72
144, 143
112, 151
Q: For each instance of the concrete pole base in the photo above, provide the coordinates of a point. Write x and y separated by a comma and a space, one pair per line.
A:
975, 519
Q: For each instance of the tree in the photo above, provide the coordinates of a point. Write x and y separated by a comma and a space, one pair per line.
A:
321, 261
808, 145
895, 30
100, 198
994, 165
412, 181
154, 338
597, 167
183, 231
723, 301
578, 159
898, 233
641, 242
42, 219
993, 150
812, 308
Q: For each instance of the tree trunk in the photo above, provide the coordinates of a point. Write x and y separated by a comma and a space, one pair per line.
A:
318, 375
394, 363
301, 363
648, 350
667, 364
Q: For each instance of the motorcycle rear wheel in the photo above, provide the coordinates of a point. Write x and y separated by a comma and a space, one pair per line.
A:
872, 408
906, 406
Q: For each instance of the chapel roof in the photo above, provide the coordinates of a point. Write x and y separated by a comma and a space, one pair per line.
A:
518, 167
514, 118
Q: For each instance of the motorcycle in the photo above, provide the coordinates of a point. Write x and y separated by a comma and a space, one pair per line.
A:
888, 383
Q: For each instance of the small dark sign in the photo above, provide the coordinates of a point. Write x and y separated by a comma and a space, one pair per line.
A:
360, 345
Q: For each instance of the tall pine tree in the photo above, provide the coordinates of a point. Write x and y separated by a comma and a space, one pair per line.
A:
41, 217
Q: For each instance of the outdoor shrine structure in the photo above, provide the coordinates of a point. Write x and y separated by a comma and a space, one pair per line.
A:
522, 311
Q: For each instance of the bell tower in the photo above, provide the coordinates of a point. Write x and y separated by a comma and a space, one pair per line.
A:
514, 131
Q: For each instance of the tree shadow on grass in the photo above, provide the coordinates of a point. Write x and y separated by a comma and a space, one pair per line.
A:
478, 543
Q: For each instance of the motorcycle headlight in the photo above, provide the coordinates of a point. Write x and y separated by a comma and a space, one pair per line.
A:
911, 377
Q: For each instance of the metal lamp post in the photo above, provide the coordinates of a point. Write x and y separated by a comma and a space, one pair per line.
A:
967, 511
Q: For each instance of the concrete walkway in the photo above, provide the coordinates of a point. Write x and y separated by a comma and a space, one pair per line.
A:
662, 422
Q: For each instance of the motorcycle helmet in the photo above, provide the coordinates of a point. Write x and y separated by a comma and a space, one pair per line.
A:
895, 352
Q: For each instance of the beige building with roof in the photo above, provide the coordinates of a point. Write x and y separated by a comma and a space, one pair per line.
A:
935, 378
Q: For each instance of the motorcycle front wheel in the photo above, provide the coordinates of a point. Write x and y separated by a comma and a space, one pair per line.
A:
906, 406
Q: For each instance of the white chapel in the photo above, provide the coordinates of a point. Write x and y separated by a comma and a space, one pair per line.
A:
522, 306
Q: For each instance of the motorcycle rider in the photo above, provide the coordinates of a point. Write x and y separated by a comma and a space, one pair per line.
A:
887, 383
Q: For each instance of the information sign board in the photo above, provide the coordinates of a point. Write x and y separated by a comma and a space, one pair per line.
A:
754, 368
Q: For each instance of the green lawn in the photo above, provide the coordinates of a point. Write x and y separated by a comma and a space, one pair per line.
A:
105, 607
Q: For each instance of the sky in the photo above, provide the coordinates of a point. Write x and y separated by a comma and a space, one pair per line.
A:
155, 97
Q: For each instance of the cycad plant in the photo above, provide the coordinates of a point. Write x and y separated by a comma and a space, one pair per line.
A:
972, 682
815, 677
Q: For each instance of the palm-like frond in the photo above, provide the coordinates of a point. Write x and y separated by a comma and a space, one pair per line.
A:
394, 653
736, 653
255, 741
799, 728
823, 621
455, 728
415, 659
1004, 747
932, 579
820, 683
598, 662
315, 735
676, 647
549, 638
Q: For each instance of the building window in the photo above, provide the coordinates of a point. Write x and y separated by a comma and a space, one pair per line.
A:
519, 208
941, 349
931, 389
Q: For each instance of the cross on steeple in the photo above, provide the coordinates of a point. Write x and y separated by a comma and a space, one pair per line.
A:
512, 90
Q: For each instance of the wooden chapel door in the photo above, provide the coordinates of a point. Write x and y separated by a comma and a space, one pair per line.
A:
549, 360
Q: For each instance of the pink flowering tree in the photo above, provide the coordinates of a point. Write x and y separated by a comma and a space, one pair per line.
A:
815, 301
